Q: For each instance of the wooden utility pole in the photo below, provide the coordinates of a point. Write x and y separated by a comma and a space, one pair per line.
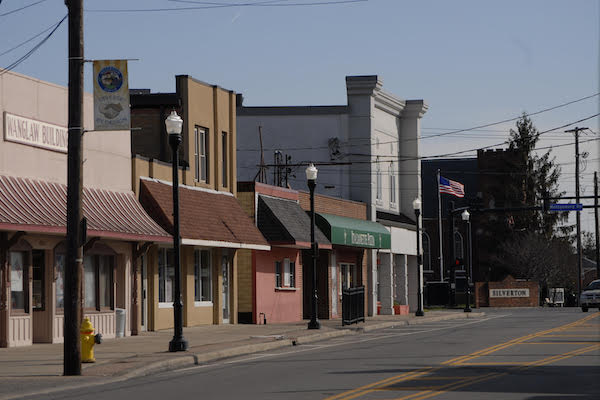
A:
596, 225
576, 131
75, 236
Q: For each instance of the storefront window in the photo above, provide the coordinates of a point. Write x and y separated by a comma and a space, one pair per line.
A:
349, 276
18, 281
166, 275
98, 281
202, 276
59, 264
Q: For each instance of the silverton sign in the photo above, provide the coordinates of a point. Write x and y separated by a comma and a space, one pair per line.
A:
509, 292
35, 133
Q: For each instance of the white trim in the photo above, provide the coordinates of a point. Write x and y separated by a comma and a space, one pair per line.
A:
229, 245
200, 189
203, 304
286, 289
165, 304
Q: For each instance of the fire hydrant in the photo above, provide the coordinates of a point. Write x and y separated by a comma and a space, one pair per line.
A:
88, 340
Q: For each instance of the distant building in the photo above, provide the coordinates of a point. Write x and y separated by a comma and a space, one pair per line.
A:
374, 143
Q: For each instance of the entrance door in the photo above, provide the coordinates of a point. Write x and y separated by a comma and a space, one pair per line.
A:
41, 328
144, 324
225, 300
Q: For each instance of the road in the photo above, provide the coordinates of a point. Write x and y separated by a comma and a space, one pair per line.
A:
510, 354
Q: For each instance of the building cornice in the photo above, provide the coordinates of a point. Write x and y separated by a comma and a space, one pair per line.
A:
389, 103
361, 85
415, 108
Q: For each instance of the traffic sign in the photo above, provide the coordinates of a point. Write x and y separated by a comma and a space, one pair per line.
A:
566, 207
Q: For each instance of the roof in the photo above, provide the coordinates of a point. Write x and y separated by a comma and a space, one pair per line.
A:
38, 206
207, 217
354, 232
285, 223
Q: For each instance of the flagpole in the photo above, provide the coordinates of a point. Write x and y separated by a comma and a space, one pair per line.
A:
440, 226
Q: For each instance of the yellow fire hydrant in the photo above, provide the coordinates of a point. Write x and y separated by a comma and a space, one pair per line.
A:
88, 340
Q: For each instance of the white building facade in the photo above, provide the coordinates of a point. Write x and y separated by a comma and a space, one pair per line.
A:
365, 151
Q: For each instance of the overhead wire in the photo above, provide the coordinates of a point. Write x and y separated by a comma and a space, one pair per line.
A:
30, 39
22, 8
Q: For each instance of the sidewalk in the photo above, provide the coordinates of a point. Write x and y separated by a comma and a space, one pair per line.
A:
38, 369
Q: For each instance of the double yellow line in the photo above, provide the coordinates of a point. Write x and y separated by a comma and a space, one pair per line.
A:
434, 391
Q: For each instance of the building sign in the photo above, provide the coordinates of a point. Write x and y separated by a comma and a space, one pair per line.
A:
111, 95
35, 133
362, 239
509, 292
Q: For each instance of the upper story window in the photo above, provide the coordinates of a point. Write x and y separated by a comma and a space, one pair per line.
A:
224, 151
392, 185
201, 154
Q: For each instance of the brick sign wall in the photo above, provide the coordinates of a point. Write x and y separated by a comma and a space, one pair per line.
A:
507, 293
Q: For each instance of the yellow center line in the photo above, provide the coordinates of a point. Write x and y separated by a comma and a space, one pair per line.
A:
454, 385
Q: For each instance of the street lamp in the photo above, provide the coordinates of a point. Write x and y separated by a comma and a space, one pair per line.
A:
311, 177
174, 124
417, 207
467, 217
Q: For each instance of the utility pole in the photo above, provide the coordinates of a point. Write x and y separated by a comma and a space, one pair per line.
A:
596, 224
75, 236
576, 131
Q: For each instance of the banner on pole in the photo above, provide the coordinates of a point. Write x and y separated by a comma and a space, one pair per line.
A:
111, 95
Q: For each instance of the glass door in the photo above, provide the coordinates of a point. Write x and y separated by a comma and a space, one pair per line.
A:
225, 293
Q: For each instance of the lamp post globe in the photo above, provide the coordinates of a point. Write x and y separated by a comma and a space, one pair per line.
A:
311, 178
417, 207
466, 216
173, 125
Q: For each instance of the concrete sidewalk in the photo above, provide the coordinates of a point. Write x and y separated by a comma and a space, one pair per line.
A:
38, 369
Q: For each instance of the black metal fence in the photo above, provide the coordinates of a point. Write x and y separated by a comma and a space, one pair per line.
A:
353, 305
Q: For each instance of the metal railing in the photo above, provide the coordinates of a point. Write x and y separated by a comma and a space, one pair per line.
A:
353, 305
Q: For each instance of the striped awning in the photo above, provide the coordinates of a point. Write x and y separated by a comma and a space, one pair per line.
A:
38, 206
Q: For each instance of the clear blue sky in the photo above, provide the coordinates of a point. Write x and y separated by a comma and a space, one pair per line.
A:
474, 62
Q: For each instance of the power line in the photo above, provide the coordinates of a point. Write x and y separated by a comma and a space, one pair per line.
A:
33, 50
224, 5
22, 8
30, 39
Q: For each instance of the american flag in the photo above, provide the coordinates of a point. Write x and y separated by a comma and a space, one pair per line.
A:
451, 187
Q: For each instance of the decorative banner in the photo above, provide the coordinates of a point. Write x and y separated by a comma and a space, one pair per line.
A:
111, 96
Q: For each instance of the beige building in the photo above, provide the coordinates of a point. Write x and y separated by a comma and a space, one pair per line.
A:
33, 172
213, 225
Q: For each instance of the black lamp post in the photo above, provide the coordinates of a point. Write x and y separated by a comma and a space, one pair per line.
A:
174, 124
311, 177
467, 217
417, 208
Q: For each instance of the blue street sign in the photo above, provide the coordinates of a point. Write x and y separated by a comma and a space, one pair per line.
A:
566, 207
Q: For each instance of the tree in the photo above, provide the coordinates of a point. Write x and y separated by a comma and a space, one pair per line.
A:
537, 179
588, 245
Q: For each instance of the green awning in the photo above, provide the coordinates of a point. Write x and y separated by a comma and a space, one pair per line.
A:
353, 232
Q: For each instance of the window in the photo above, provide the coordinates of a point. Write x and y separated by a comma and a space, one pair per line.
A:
166, 275
202, 276
378, 183
19, 281
392, 184
39, 281
59, 264
426, 253
98, 281
201, 154
458, 245
224, 150
285, 274
349, 276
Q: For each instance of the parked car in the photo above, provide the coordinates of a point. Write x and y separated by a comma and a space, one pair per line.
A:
590, 296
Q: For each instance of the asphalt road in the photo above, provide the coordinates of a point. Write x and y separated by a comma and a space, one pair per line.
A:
510, 354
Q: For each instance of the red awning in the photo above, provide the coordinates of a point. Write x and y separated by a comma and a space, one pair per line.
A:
207, 217
38, 206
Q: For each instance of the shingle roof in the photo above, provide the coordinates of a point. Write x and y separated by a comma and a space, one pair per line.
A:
206, 217
284, 222
32, 205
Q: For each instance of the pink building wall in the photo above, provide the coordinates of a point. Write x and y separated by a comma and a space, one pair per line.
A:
279, 305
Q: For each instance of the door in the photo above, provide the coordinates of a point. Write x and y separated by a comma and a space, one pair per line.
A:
144, 324
225, 276
39, 299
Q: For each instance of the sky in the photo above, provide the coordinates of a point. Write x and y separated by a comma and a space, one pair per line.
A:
473, 62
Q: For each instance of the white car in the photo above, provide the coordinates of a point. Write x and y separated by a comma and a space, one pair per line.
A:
590, 296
